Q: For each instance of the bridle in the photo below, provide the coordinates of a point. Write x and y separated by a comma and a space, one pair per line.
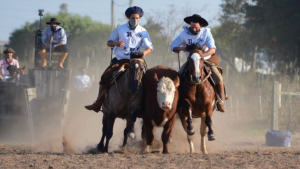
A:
135, 94
189, 77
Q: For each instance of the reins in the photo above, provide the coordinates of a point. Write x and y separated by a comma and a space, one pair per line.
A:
190, 81
135, 94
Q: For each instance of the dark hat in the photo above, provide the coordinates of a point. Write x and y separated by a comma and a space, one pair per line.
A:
53, 20
134, 10
9, 50
197, 19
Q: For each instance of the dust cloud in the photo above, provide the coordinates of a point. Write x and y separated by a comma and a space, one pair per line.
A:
83, 128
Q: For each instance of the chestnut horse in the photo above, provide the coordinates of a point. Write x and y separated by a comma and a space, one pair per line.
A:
197, 99
123, 100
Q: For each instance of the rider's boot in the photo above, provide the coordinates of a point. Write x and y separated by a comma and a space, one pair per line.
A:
43, 56
100, 99
62, 58
220, 102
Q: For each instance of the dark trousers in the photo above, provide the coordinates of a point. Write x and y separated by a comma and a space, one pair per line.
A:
114, 66
61, 48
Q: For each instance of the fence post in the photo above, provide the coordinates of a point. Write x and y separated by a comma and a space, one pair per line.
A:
291, 113
260, 107
237, 108
231, 112
87, 63
275, 100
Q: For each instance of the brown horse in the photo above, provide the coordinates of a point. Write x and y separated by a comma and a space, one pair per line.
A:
198, 97
123, 100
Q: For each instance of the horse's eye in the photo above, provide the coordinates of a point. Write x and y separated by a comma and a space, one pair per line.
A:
157, 91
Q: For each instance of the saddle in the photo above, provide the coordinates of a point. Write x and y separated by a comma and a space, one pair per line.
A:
119, 72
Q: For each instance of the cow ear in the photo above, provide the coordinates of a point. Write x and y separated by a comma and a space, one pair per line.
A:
177, 81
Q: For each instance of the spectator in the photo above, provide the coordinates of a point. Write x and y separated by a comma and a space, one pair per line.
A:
9, 67
82, 81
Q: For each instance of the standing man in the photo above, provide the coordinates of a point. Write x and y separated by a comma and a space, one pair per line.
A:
9, 65
198, 34
58, 36
126, 38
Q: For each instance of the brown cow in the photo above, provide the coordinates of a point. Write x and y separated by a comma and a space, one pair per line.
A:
160, 88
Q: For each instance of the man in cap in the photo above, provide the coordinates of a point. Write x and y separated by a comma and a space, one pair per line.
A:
9, 66
126, 38
58, 36
198, 35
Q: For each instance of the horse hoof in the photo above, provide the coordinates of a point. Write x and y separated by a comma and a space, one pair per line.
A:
100, 148
93, 151
131, 135
211, 137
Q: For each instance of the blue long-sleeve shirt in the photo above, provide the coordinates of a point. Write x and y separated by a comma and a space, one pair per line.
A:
186, 38
58, 37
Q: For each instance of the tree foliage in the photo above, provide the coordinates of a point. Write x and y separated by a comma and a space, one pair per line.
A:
270, 28
84, 34
276, 26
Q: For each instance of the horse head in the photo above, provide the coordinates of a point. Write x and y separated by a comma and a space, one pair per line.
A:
195, 63
136, 70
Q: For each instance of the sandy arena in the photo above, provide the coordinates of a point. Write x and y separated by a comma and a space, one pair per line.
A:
236, 146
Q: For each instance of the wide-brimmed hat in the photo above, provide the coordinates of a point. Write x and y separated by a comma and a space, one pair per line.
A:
54, 20
134, 10
196, 18
8, 50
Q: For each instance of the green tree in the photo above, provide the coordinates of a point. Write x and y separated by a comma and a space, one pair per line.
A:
232, 37
84, 34
276, 26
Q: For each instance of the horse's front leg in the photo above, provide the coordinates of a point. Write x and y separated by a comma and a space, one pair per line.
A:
186, 120
126, 131
133, 116
202, 133
110, 126
100, 146
208, 122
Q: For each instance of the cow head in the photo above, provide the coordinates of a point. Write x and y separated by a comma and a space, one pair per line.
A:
166, 89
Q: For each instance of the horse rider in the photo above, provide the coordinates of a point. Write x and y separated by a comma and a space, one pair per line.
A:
58, 36
126, 38
9, 66
199, 34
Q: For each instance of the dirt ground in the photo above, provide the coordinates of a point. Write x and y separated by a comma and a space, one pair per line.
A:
237, 145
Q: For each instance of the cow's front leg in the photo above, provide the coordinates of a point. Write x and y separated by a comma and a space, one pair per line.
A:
166, 136
149, 134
